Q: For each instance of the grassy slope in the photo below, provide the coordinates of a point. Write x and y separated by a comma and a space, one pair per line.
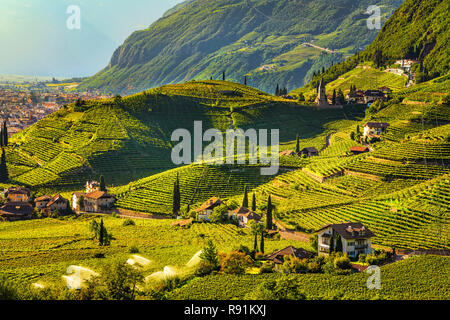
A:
407, 166
417, 278
41, 250
130, 139
364, 77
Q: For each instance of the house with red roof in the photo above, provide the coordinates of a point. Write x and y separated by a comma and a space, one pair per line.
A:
355, 237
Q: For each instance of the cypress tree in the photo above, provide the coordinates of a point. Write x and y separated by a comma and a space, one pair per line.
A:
340, 97
245, 200
269, 214
3, 168
5, 134
253, 202
277, 90
101, 233
223, 76
176, 201
1, 137
255, 244
332, 244
102, 183
297, 146
261, 246
245, 80
333, 99
338, 243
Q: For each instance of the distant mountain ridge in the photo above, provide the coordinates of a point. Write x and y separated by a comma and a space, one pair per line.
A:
264, 40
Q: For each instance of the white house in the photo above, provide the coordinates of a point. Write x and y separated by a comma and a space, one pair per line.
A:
375, 128
244, 216
356, 238
207, 208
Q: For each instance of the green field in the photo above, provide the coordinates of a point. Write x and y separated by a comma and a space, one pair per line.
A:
417, 278
41, 250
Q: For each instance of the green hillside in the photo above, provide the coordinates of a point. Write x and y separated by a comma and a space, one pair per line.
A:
364, 76
400, 189
266, 40
126, 139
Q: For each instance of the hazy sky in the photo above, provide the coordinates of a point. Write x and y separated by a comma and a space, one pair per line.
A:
35, 39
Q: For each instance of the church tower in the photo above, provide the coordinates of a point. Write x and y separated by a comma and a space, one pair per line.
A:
321, 100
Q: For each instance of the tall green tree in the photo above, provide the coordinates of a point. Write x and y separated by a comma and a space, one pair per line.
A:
340, 97
245, 200
297, 146
261, 245
176, 205
4, 176
269, 214
254, 202
223, 76
245, 80
333, 99
209, 254
5, 134
102, 183
338, 243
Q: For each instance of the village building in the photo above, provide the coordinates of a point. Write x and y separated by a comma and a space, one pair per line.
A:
14, 211
207, 208
278, 257
57, 203
244, 216
356, 97
355, 237
41, 202
375, 129
309, 152
359, 150
373, 95
17, 194
95, 201
288, 153
92, 186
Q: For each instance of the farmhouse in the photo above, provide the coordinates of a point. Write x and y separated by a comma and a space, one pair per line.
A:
41, 202
310, 152
278, 256
57, 203
207, 208
244, 216
288, 153
355, 237
17, 194
375, 128
373, 95
13, 211
98, 201
359, 150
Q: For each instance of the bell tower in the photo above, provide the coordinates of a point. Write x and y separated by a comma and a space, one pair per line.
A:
321, 99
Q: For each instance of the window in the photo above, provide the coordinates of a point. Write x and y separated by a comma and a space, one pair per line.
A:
351, 244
